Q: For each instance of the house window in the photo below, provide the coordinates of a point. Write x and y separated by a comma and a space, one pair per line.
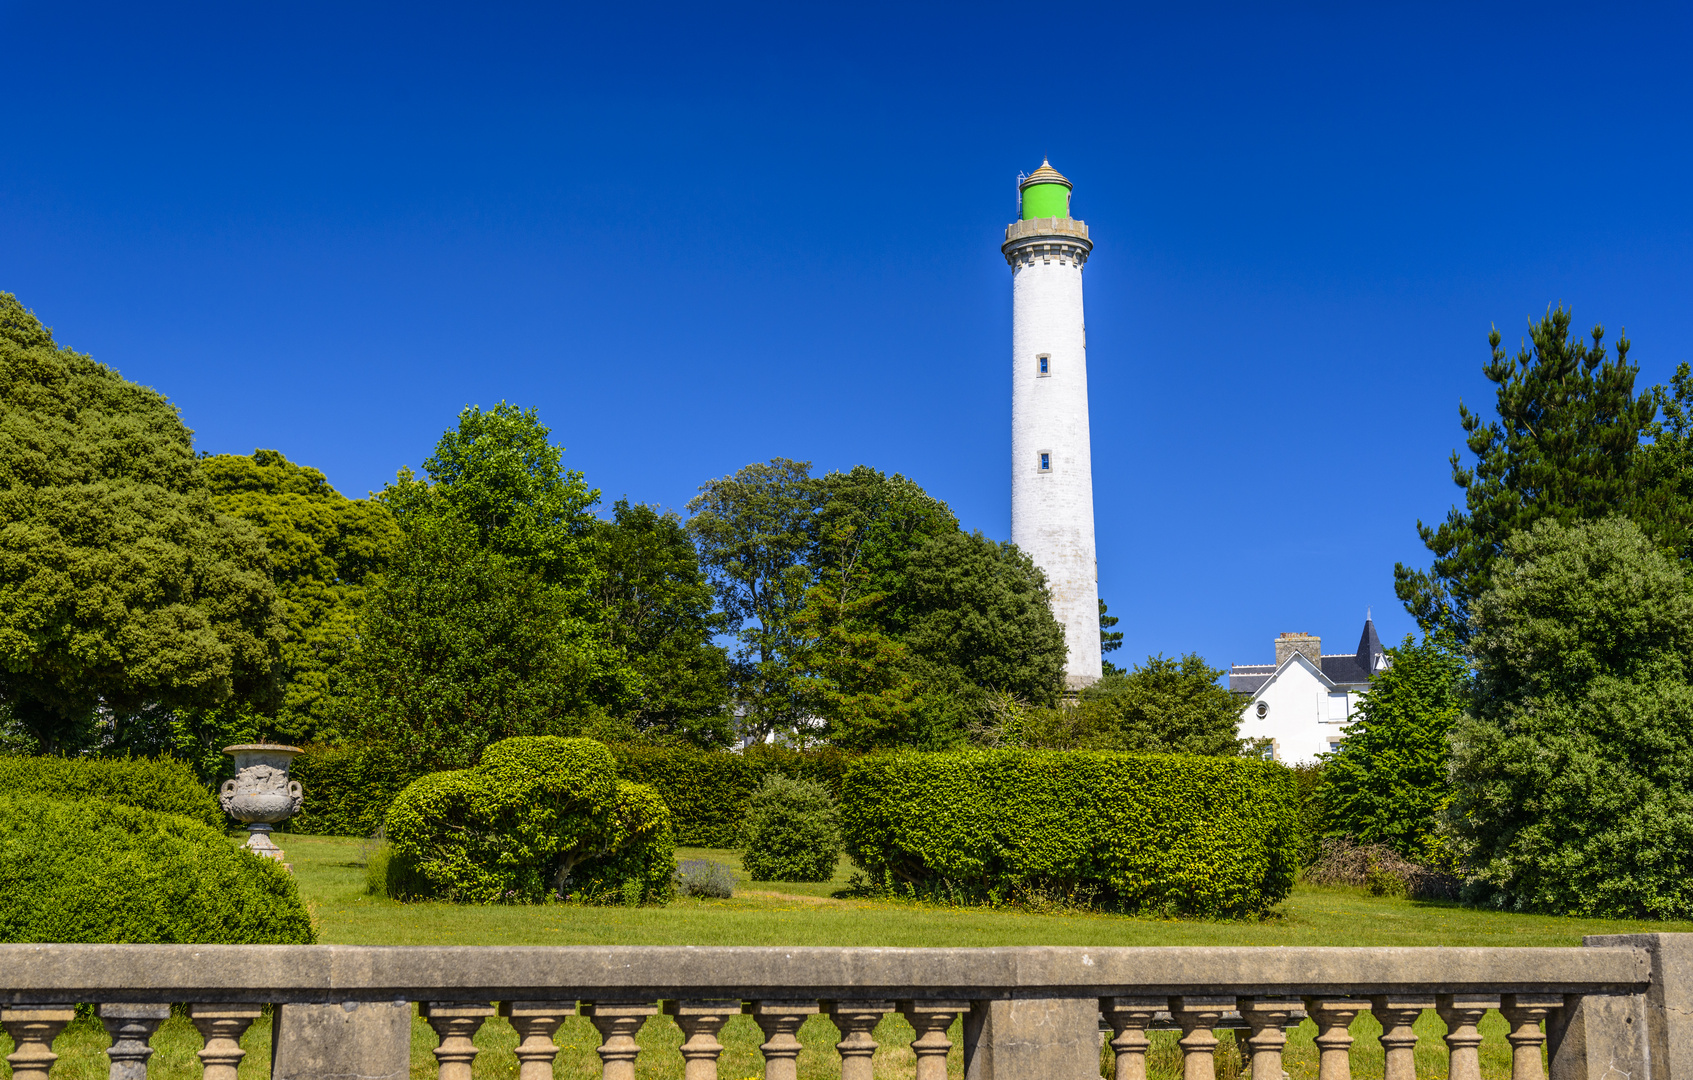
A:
1263, 709
1046, 461
1043, 366
1334, 744
1337, 706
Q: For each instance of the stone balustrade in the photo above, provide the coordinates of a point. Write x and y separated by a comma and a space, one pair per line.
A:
1619, 1008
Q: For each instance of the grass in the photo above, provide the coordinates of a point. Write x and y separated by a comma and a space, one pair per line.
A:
330, 871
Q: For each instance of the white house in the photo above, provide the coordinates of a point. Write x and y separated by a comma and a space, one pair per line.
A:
1303, 702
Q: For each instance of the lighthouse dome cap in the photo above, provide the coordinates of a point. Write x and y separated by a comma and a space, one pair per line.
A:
1046, 174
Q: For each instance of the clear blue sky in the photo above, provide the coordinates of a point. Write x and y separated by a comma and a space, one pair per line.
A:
701, 236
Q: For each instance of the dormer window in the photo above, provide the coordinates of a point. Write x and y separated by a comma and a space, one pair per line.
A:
1043, 366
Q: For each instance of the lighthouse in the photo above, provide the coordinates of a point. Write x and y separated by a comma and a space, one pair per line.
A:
1051, 464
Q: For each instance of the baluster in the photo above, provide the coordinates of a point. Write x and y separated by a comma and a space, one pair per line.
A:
930, 1019
857, 1021
1197, 1016
33, 1029
536, 1021
700, 1021
779, 1020
1129, 1017
1524, 1012
617, 1022
222, 1027
1268, 1019
1334, 1018
130, 1026
456, 1024
1462, 1012
1398, 1038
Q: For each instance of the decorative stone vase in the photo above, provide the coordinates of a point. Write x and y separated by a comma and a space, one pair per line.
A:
261, 793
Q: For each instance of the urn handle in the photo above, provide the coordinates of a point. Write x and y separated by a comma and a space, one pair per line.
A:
296, 793
225, 794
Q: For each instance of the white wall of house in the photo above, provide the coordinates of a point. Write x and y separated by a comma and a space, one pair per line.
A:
1304, 715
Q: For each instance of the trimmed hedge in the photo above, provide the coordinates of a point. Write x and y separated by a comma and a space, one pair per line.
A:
99, 872
708, 791
793, 831
1179, 835
537, 815
348, 789
164, 785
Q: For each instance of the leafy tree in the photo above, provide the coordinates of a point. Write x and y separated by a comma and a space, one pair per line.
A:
867, 526
323, 549
858, 678
461, 647
1387, 784
982, 610
1573, 770
122, 588
1662, 498
1164, 706
660, 611
755, 533
1562, 448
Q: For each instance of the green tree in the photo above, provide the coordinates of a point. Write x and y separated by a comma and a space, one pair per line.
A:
1109, 640
858, 679
1164, 706
1573, 768
461, 647
1562, 448
659, 608
755, 533
323, 549
122, 588
867, 526
1387, 783
981, 613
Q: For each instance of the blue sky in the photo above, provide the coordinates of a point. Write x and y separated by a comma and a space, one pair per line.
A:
701, 236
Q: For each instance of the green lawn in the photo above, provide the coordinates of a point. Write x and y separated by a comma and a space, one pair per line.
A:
331, 875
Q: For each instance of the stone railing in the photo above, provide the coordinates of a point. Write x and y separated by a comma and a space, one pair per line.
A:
1620, 1008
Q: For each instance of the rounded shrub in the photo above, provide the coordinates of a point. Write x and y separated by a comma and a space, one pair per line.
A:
793, 831
537, 816
1213, 836
96, 872
163, 784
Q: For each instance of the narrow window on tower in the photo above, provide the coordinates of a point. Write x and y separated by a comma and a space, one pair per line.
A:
1043, 366
1046, 461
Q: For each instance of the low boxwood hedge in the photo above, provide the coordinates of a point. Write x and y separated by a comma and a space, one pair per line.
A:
100, 872
537, 816
1174, 834
164, 784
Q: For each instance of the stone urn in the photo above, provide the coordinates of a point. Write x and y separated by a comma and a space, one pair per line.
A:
261, 793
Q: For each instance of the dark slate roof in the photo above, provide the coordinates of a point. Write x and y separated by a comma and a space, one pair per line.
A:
1369, 647
1248, 682
1345, 669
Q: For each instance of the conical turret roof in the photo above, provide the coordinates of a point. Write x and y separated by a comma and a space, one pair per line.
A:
1046, 174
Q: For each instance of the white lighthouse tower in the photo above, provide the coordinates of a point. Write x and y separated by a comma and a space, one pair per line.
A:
1051, 464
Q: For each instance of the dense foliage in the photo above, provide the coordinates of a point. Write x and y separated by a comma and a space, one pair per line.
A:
536, 817
93, 871
1573, 771
1563, 448
1387, 784
122, 587
349, 787
708, 791
324, 549
661, 614
162, 785
1208, 836
792, 831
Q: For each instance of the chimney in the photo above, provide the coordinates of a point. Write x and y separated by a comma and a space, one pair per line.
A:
1309, 644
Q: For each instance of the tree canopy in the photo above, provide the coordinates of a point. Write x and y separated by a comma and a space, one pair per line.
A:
1573, 768
1387, 782
323, 548
1563, 447
122, 587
